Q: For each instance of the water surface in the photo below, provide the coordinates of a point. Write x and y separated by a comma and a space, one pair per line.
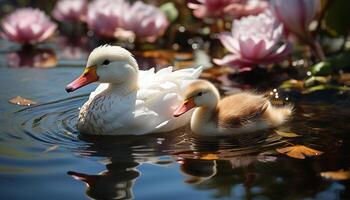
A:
42, 156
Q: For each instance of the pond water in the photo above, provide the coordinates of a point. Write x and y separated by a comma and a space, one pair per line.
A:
42, 156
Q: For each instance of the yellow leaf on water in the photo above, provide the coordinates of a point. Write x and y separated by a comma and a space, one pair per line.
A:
210, 156
287, 134
336, 175
18, 100
299, 151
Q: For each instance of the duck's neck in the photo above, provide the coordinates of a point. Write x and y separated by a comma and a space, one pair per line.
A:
201, 121
124, 88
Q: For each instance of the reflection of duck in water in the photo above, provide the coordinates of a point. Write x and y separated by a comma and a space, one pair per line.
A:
115, 183
124, 154
235, 114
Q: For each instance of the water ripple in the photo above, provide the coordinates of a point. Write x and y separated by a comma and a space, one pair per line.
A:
53, 124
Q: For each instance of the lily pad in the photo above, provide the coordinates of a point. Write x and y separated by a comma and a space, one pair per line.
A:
293, 84
321, 69
316, 80
327, 87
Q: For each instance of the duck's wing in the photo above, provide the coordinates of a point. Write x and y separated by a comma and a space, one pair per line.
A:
241, 109
165, 78
160, 93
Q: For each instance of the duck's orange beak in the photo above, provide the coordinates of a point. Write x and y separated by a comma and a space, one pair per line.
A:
89, 75
187, 105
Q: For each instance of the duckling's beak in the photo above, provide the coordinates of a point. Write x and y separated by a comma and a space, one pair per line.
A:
187, 105
89, 75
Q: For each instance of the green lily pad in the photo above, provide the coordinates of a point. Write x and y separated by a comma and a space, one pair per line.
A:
321, 69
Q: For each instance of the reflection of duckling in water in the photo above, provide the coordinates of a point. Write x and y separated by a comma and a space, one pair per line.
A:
116, 183
198, 170
240, 113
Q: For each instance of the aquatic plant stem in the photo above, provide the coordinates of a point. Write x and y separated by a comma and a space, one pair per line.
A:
317, 49
326, 6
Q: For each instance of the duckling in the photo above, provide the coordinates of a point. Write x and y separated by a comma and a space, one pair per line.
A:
236, 114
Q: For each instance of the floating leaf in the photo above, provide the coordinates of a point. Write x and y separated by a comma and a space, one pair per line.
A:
299, 151
287, 134
327, 87
293, 84
316, 80
336, 175
210, 156
323, 68
18, 100
51, 148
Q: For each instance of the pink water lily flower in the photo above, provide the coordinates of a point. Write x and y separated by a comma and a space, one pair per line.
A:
254, 40
209, 8
146, 21
106, 16
220, 8
245, 8
27, 26
70, 10
297, 15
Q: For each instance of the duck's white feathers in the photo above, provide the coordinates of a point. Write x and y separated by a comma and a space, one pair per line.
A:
148, 109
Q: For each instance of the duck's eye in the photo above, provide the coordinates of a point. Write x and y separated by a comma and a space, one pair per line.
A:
199, 94
105, 62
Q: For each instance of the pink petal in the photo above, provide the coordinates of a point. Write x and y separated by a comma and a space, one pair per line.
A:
280, 54
246, 46
230, 59
229, 42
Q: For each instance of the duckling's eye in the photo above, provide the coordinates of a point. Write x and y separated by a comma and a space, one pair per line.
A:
105, 62
199, 94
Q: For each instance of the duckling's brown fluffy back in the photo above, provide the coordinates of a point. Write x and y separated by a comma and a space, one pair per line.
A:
243, 108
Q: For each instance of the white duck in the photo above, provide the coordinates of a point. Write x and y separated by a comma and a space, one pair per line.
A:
129, 101
239, 113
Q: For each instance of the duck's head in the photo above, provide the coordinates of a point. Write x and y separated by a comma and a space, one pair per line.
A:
107, 64
200, 93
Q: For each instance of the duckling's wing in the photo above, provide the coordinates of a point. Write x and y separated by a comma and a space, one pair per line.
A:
242, 109
161, 94
254, 114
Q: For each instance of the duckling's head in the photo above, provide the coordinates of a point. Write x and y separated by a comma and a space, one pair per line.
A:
107, 64
200, 93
